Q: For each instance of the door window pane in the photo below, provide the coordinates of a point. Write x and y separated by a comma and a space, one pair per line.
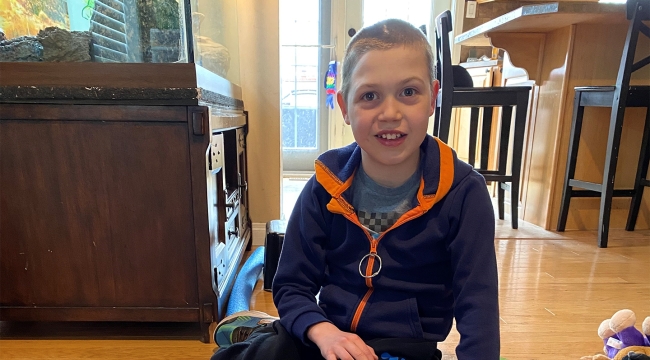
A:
299, 56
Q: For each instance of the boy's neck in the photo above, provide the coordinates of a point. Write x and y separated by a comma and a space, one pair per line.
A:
391, 176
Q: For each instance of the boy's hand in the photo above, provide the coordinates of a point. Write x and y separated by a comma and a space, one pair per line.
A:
336, 344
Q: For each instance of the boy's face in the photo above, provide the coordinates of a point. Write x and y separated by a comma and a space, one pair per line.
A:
388, 106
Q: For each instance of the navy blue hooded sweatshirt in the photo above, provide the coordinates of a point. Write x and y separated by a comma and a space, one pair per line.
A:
437, 261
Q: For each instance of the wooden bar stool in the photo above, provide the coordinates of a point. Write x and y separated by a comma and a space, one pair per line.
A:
617, 97
451, 95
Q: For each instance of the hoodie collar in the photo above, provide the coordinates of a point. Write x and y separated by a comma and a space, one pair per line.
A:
335, 170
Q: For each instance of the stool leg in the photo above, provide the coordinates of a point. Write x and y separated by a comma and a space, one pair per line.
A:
436, 122
574, 141
609, 173
501, 199
473, 134
444, 122
518, 150
641, 175
486, 131
506, 118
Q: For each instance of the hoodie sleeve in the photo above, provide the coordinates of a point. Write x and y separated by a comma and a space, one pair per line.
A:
301, 268
475, 281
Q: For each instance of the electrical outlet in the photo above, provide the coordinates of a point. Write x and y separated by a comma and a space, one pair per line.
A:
216, 148
471, 9
220, 267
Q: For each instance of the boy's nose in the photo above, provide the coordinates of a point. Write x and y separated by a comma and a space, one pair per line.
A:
390, 110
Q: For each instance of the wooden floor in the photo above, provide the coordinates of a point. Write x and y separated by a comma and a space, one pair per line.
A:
555, 289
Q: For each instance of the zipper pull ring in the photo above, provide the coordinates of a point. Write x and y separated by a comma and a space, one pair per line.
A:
371, 254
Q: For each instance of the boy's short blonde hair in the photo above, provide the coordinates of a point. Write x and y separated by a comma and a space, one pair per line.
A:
383, 35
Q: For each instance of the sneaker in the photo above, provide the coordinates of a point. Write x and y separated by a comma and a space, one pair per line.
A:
238, 326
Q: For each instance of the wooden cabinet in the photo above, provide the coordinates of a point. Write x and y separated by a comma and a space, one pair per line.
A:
128, 211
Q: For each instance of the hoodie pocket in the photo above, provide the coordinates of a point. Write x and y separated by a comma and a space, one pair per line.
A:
393, 316
339, 305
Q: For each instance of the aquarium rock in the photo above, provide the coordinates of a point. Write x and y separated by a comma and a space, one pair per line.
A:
165, 45
63, 45
23, 48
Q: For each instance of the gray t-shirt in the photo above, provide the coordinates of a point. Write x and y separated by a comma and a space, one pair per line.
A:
378, 207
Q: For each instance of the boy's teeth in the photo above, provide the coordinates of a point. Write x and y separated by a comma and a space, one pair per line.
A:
390, 136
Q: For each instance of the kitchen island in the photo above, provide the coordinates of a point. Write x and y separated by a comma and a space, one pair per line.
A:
556, 47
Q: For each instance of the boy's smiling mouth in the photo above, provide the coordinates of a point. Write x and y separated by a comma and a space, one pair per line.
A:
390, 135
390, 138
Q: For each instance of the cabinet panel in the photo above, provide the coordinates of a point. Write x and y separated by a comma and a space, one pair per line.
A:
96, 214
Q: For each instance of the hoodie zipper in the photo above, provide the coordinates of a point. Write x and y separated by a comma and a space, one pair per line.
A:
371, 260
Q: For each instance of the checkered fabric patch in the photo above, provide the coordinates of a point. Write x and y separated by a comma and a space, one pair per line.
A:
378, 222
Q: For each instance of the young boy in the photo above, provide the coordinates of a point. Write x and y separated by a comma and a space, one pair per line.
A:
392, 238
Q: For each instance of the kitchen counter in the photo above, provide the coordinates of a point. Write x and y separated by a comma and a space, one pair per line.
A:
544, 18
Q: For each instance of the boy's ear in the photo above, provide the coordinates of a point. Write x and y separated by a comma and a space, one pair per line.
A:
344, 107
435, 87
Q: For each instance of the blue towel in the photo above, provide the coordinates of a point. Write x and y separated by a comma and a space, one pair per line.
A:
242, 290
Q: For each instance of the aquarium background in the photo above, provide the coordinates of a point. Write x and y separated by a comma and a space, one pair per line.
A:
148, 31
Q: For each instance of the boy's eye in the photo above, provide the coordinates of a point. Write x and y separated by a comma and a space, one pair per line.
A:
369, 96
409, 92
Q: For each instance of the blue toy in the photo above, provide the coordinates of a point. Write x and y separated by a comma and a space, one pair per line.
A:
387, 356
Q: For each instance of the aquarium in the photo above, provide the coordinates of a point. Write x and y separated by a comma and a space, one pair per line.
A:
215, 36
122, 31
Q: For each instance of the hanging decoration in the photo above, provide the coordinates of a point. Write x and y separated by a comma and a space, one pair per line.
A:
330, 84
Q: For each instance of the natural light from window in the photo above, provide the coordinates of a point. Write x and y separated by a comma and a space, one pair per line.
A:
299, 40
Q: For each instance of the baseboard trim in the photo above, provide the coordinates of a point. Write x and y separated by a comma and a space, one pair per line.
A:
259, 233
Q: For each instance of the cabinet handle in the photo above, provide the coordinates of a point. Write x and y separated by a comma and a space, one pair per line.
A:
228, 205
236, 233
244, 185
198, 125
